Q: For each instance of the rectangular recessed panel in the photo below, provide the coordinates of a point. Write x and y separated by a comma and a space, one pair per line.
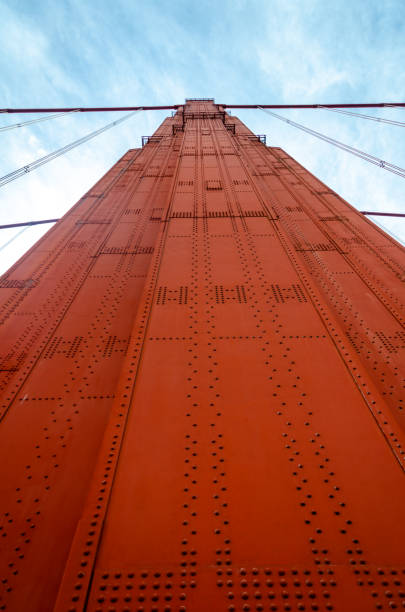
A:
213, 184
9, 283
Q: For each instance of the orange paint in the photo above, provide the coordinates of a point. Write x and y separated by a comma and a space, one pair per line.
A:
201, 390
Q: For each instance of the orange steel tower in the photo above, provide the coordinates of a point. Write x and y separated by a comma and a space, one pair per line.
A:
201, 390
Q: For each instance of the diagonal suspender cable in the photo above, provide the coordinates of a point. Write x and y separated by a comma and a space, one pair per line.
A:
389, 231
3, 246
379, 119
5, 128
11, 176
366, 156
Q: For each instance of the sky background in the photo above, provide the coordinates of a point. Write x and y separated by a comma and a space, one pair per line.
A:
132, 52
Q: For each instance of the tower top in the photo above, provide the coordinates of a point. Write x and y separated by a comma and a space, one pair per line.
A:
199, 100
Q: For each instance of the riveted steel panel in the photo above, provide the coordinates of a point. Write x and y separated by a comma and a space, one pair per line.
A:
202, 390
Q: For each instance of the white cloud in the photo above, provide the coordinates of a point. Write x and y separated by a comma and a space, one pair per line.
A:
78, 53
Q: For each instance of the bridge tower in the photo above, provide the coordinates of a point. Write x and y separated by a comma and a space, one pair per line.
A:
202, 403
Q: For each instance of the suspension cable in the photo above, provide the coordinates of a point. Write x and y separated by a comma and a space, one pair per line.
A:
102, 109
378, 214
362, 154
379, 119
11, 176
24, 123
95, 109
9, 225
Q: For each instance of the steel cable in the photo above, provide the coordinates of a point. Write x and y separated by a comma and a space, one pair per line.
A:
389, 231
3, 246
362, 154
11, 176
5, 128
370, 117
9, 225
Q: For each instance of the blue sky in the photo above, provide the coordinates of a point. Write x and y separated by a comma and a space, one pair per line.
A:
82, 52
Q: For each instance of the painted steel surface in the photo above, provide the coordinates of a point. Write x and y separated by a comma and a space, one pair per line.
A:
202, 390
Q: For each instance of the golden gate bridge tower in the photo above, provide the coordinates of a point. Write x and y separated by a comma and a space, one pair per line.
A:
202, 396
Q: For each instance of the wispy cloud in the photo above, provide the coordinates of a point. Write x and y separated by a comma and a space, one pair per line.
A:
123, 52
